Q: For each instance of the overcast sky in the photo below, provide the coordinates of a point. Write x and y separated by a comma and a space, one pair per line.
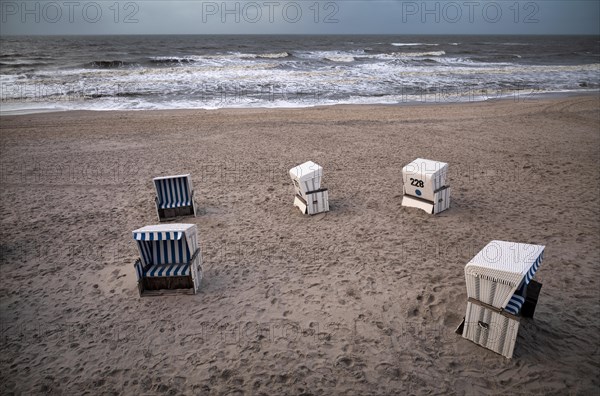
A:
300, 17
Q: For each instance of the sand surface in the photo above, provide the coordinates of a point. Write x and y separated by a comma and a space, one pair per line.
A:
361, 300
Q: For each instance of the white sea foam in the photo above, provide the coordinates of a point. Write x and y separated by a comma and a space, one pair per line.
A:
240, 55
274, 55
413, 44
340, 58
420, 54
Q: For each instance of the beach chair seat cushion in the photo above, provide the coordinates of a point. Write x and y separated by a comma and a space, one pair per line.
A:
174, 204
166, 270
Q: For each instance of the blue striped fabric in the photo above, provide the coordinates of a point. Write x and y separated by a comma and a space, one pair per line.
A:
515, 304
168, 252
158, 236
173, 192
533, 269
139, 270
163, 270
146, 253
164, 251
162, 254
516, 301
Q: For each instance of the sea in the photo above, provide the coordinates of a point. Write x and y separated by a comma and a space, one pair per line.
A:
48, 73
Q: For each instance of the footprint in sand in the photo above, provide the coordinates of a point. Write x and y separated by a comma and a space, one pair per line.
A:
413, 311
344, 361
388, 370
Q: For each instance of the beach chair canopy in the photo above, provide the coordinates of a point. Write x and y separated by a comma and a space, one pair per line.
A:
173, 191
426, 169
166, 243
307, 176
501, 269
422, 178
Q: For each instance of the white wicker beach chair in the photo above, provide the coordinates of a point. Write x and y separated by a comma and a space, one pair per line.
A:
174, 196
497, 279
170, 259
425, 185
310, 197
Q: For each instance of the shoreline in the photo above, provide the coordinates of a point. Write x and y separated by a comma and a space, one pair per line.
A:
525, 97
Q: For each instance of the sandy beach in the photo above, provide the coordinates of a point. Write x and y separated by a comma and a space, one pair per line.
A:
362, 300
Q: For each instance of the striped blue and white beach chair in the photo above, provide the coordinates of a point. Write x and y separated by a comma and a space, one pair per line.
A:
170, 259
174, 196
497, 288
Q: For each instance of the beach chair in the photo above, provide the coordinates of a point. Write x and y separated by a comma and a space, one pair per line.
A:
499, 279
310, 197
170, 259
425, 185
174, 196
